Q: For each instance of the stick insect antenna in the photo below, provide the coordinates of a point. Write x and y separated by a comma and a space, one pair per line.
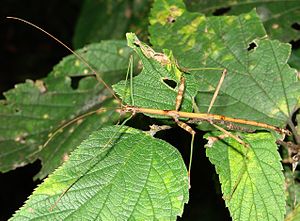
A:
98, 77
73, 52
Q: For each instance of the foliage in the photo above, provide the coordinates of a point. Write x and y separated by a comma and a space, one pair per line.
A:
250, 176
117, 172
281, 18
119, 17
33, 110
139, 179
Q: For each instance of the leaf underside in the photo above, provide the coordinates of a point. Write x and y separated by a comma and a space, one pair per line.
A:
33, 110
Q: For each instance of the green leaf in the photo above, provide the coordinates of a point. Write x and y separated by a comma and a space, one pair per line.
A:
280, 17
251, 178
259, 85
101, 20
117, 173
33, 110
149, 87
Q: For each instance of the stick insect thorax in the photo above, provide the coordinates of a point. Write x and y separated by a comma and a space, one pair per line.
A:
201, 117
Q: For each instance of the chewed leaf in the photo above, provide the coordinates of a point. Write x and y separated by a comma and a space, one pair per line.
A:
251, 178
34, 110
149, 87
117, 173
259, 85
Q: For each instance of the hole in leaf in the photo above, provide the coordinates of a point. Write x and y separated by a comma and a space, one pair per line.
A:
17, 110
170, 19
294, 118
75, 81
295, 44
221, 11
20, 139
251, 46
296, 26
170, 83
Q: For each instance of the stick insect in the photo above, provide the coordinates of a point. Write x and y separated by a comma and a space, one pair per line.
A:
175, 114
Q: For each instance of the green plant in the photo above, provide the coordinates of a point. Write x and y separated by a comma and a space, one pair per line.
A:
117, 172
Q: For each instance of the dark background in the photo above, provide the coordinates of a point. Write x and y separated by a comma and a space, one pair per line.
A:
26, 53
29, 54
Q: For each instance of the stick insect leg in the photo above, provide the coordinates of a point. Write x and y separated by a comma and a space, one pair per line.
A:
230, 134
217, 90
180, 93
183, 125
225, 131
187, 128
129, 73
93, 164
211, 105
